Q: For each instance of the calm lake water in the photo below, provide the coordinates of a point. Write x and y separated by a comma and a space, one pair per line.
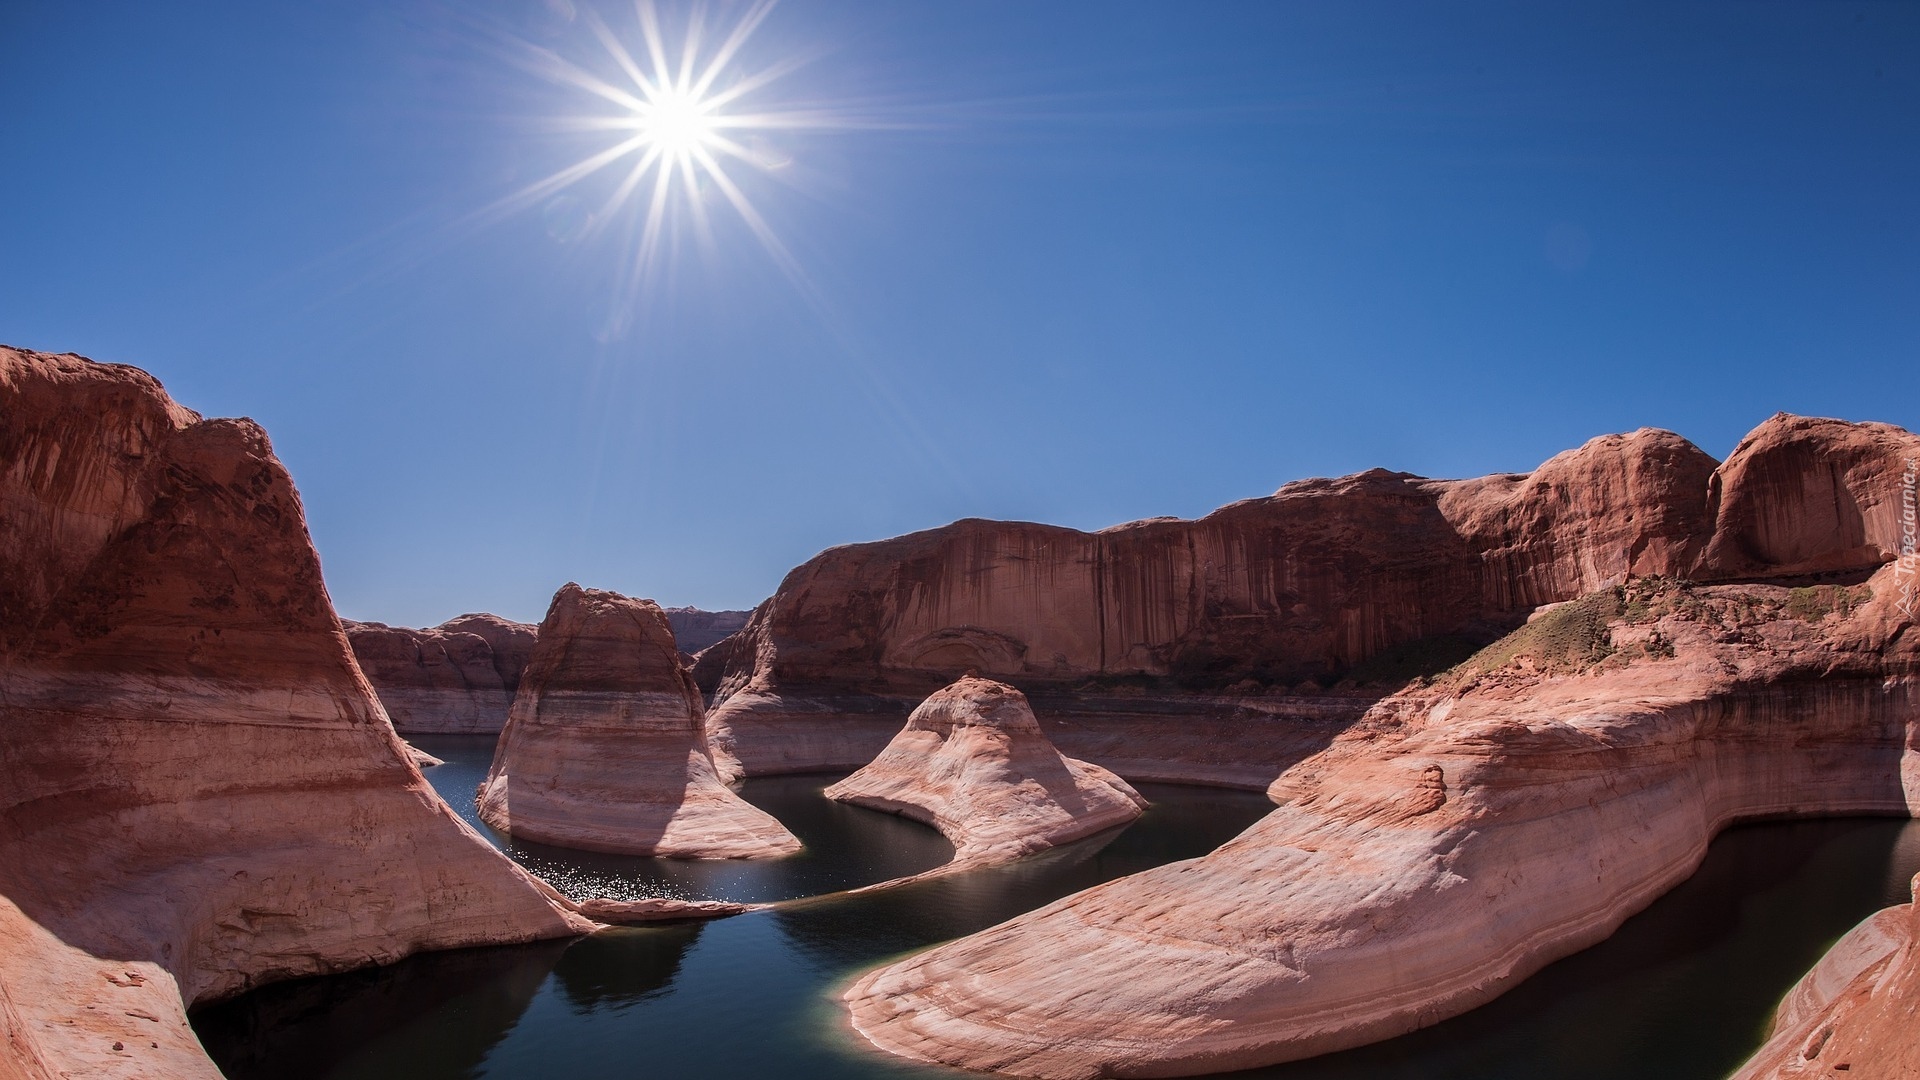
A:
1683, 991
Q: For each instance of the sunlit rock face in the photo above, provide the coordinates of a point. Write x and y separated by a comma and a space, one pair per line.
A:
198, 790
973, 763
1853, 1014
1274, 622
605, 748
1458, 838
458, 678
1803, 497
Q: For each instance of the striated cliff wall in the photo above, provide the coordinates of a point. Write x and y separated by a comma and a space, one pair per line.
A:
1252, 611
457, 678
198, 790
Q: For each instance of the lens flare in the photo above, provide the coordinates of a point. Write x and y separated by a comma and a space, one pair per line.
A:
676, 127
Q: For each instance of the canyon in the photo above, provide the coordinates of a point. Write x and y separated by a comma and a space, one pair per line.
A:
1495, 716
1452, 842
605, 748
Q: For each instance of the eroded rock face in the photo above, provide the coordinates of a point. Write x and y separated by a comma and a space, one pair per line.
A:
973, 763
458, 678
198, 790
695, 629
1852, 1015
1457, 839
605, 748
1804, 497
1287, 595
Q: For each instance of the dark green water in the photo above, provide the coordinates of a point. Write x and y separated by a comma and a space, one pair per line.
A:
1683, 991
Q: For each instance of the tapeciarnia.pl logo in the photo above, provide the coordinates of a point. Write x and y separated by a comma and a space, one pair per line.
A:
1909, 542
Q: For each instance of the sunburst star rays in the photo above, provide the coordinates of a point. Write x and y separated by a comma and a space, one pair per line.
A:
681, 121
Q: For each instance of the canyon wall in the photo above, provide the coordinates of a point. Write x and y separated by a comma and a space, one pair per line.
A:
1458, 838
1282, 617
458, 678
695, 629
198, 790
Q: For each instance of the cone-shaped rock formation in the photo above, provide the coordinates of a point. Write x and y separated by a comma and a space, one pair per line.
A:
605, 748
973, 763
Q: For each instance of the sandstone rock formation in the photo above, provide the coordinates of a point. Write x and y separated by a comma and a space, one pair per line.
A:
1124, 632
1853, 1014
973, 763
605, 748
198, 790
695, 629
1461, 836
458, 678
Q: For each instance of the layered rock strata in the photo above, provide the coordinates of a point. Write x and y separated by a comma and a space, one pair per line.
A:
458, 678
695, 629
1458, 838
198, 790
1327, 583
973, 763
605, 748
1853, 1014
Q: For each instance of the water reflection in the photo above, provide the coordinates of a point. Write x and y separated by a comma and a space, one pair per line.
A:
623, 966
1180, 823
429, 1017
1683, 991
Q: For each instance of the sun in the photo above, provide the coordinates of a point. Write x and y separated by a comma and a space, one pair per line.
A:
680, 121
677, 123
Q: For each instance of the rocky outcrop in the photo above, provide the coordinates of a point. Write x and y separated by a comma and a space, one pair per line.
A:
695, 629
198, 790
1257, 609
1853, 1013
458, 678
1807, 498
1462, 835
973, 763
605, 748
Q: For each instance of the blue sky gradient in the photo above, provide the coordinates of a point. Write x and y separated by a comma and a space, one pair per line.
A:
1074, 262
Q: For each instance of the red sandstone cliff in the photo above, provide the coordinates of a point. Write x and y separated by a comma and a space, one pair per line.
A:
606, 750
1136, 627
457, 678
198, 790
695, 629
1457, 839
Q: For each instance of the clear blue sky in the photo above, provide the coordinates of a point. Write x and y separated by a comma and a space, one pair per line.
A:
1077, 263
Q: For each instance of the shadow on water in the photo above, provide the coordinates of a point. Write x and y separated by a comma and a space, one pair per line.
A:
1683, 991
428, 1017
